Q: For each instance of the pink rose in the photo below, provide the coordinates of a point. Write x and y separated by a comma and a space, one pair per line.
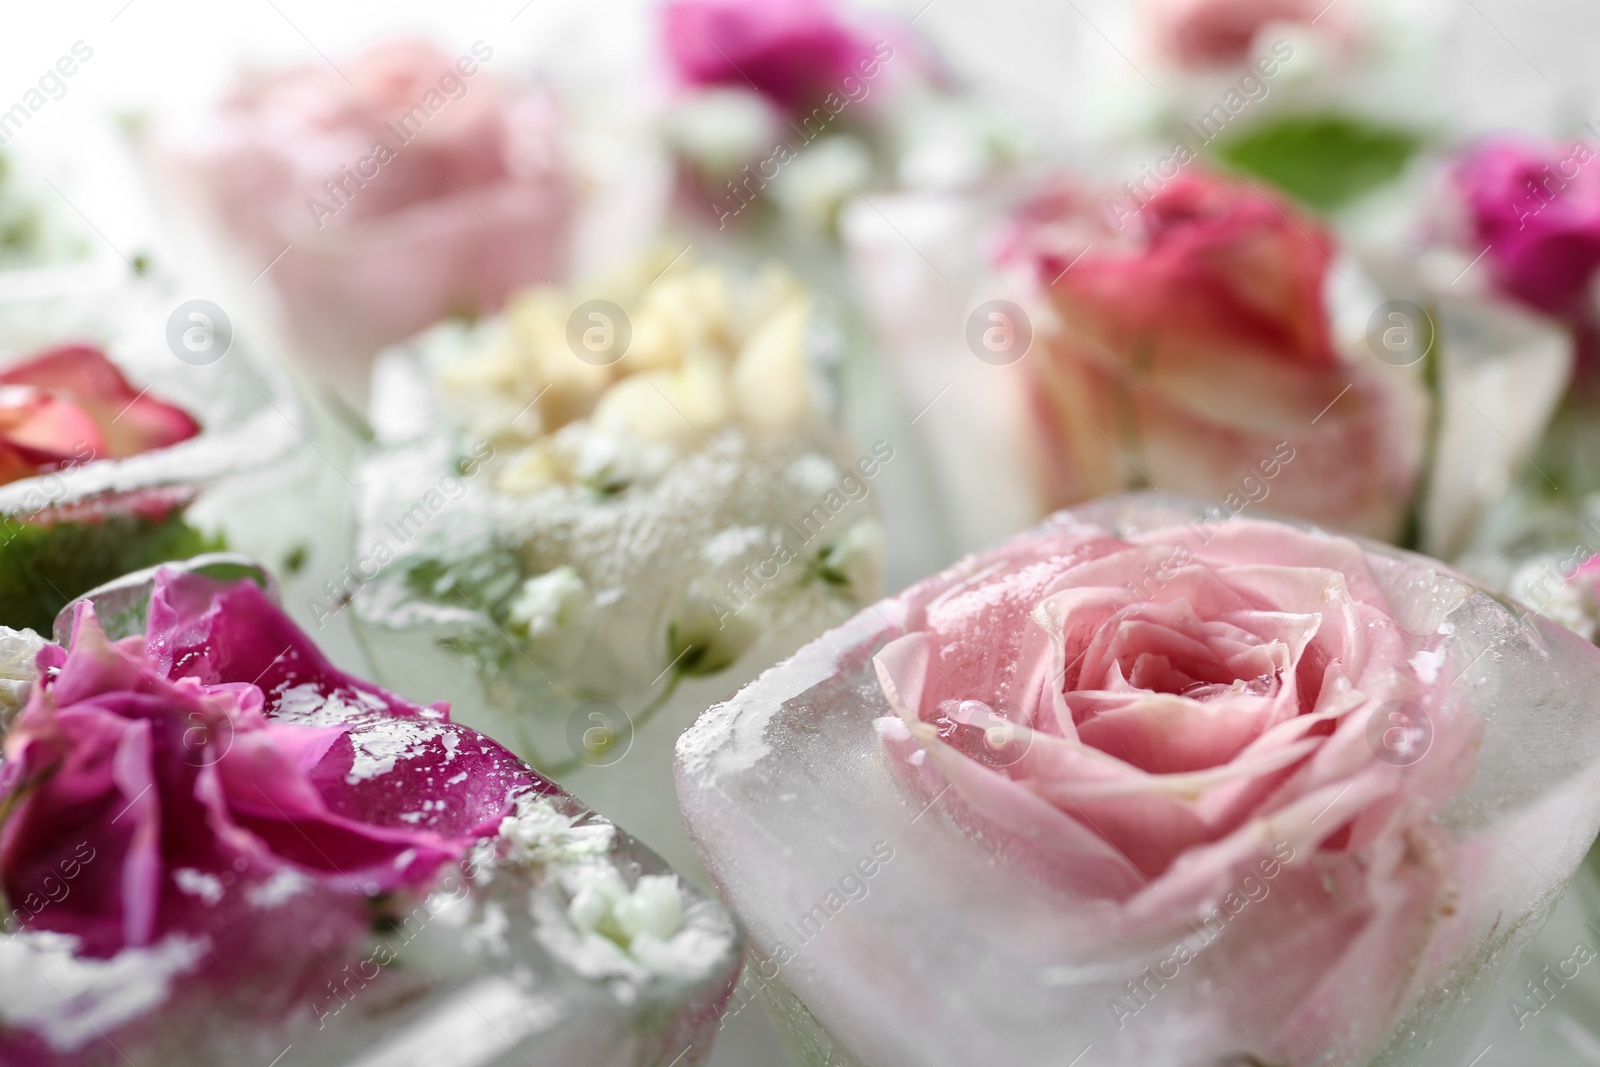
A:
1189, 349
417, 189
71, 404
1222, 33
793, 52
178, 776
1151, 720
1535, 209
1193, 791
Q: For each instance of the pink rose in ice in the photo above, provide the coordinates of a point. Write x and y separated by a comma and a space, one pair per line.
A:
1222, 33
1153, 719
793, 52
418, 188
218, 778
1188, 347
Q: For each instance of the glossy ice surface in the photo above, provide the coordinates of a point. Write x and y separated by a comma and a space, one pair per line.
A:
557, 939
885, 933
586, 627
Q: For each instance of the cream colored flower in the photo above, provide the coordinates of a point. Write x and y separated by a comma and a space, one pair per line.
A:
703, 350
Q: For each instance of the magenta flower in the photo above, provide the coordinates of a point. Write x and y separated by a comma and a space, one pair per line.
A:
793, 52
1537, 211
218, 777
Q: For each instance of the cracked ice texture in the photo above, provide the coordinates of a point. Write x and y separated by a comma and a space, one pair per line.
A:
545, 935
971, 945
542, 539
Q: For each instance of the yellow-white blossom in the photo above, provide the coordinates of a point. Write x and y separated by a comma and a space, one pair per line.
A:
704, 350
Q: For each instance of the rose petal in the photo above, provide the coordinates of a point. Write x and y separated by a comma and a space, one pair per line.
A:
129, 420
47, 429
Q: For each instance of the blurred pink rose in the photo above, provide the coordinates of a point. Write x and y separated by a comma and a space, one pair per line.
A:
1536, 209
1151, 722
793, 52
1191, 351
1221, 33
417, 189
71, 404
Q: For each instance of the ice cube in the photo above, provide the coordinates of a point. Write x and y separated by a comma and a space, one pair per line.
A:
70, 530
557, 939
585, 624
892, 928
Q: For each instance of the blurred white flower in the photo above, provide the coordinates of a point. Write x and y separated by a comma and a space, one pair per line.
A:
537, 833
603, 904
821, 179
954, 144
720, 130
548, 603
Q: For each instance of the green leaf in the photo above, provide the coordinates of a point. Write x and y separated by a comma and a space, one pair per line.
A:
1324, 161
43, 567
483, 582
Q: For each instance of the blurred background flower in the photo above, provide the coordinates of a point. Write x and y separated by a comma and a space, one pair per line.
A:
407, 185
1192, 349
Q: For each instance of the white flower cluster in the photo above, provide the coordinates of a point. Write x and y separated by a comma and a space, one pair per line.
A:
537, 832
587, 914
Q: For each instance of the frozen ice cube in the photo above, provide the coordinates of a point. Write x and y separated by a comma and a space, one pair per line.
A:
891, 927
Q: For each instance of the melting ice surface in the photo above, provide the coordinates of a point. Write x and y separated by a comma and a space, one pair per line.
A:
639, 594
947, 954
558, 940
